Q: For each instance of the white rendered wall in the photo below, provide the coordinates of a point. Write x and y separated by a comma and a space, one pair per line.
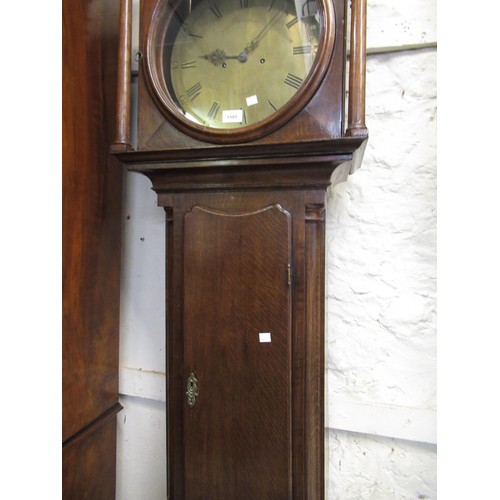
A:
381, 291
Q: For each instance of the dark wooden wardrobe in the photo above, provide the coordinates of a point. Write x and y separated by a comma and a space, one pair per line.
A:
91, 210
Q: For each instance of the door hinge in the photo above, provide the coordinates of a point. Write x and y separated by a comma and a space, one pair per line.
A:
289, 273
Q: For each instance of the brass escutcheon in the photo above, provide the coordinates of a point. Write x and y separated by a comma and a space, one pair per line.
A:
192, 390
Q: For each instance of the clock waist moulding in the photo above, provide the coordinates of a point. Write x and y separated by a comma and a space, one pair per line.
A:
241, 128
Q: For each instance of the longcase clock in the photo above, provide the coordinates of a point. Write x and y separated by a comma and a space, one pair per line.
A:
241, 127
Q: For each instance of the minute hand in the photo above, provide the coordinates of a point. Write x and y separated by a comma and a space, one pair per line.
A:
254, 43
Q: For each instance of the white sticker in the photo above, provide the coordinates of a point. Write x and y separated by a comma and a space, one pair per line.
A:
232, 116
265, 337
252, 100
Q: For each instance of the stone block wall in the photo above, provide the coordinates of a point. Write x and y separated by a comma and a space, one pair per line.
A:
381, 274
381, 243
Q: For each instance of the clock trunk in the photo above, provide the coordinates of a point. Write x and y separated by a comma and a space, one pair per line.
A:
248, 328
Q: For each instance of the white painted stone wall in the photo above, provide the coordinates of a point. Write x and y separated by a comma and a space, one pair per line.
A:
381, 291
381, 232
360, 466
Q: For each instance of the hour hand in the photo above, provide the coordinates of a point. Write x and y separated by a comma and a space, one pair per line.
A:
218, 56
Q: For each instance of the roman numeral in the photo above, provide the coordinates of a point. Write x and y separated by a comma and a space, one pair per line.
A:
194, 91
293, 80
215, 10
291, 23
243, 4
214, 110
272, 105
188, 64
304, 49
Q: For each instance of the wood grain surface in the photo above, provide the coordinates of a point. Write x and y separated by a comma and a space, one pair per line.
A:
91, 212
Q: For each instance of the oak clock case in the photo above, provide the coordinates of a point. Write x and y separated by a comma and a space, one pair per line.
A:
223, 70
241, 128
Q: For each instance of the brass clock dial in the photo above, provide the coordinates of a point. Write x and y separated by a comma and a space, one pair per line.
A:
225, 65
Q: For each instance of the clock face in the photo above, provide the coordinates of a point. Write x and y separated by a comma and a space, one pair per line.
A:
221, 65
